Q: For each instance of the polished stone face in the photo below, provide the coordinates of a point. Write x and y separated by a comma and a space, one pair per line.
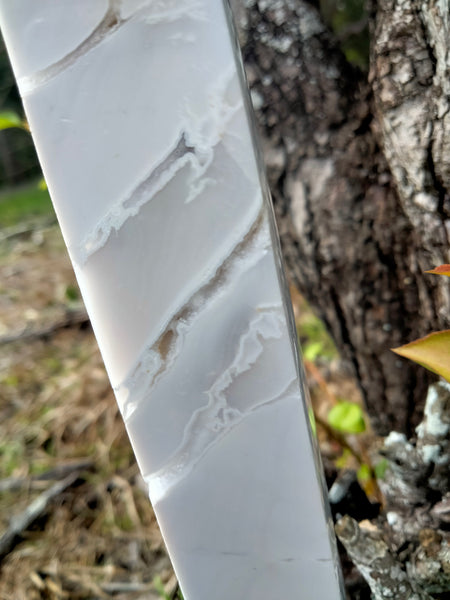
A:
139, 112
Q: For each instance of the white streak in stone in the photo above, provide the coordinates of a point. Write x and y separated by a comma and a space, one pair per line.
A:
183, 37
159, 355
195, 146
150, 185
208, 425
151, 12
206, 133
172, 10
266, 325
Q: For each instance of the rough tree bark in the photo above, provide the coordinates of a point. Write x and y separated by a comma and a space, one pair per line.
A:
359, 168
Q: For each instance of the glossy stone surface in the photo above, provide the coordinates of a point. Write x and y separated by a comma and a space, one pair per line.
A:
139, 112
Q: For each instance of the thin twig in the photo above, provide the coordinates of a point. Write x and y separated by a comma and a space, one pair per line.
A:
21, 522
315, 373
339, 438
11, 484
125, 587
174, 595
72, 317
26, 229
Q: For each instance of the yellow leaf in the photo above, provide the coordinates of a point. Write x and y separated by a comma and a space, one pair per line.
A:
441, 270
432, 352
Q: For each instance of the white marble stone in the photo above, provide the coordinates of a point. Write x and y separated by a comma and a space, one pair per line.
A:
140, 116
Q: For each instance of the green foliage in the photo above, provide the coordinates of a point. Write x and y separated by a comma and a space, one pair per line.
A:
347, 417
380, 468
356, 51
312, 421
349, 21
10, 95
11, 457
314, 338
53, 364
10, 380
313, 350
344, 13
24, 203
159, 587
343, 460
364, 474
124, 523
21, 162
72, 293
42, 185
9, 119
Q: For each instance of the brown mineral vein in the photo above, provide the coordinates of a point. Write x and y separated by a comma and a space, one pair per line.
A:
145, 190
166, 346
110, 23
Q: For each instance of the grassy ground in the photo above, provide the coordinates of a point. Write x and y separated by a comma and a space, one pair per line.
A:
23, 204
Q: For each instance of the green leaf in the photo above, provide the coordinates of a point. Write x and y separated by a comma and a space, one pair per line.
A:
380, 468
42, 185
159, 587
313, 350
71, 293
312, 422
342, 462
431, 351
364, 473
347, 417
9, 119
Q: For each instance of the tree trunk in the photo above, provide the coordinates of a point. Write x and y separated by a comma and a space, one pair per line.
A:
359, 168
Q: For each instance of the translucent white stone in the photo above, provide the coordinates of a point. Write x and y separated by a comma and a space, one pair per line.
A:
139, 113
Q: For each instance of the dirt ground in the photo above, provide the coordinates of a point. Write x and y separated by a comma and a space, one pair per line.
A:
94, 536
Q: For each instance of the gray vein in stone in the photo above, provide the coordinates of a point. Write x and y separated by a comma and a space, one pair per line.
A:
112, 21
157, 359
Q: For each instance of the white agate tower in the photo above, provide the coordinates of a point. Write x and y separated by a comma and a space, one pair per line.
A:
140, 115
